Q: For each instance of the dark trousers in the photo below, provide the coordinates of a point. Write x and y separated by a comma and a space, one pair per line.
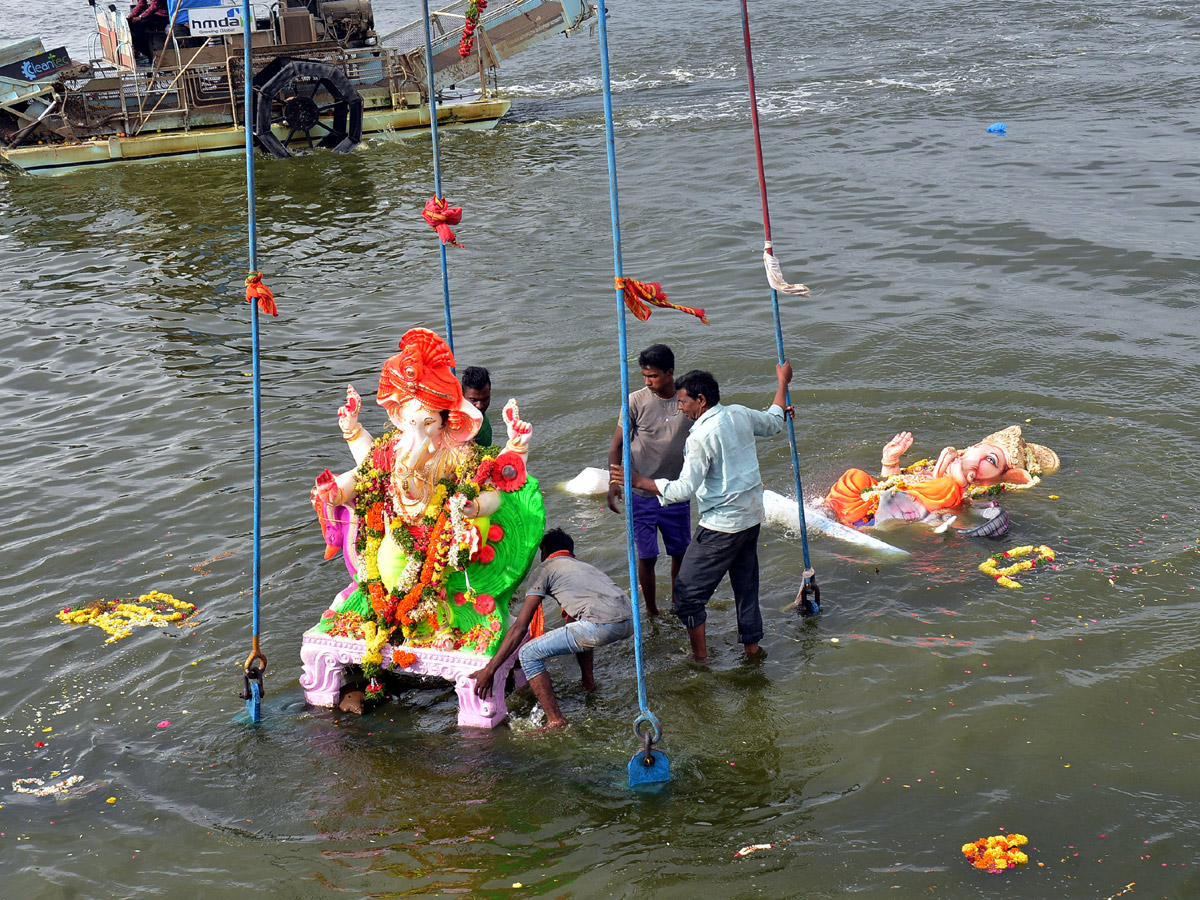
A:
140, 34
709, 556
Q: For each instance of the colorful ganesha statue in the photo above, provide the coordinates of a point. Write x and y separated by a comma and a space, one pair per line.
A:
437, 531
1002, 461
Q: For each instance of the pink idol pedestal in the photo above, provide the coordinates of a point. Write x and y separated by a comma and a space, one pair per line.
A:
325, 658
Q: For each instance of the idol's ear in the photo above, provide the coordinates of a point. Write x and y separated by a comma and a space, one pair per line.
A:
1016, 476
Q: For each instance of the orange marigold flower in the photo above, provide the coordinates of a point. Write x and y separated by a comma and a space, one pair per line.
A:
375, 517
403, 658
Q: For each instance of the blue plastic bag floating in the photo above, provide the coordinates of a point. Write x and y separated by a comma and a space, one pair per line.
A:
651, 771
997, 128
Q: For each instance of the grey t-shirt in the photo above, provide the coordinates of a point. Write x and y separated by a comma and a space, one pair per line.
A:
658, 431
583, 591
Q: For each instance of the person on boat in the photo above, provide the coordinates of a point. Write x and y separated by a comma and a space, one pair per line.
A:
1003, 460
657, 432
597, 612
477, 390
720, 469
146, 18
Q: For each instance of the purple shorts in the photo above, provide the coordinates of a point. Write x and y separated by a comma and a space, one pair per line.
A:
651, 517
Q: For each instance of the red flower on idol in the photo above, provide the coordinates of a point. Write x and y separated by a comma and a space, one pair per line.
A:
508, 471
485, 604
384, 458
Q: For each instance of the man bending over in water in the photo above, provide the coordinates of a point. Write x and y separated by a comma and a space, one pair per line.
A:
597, 613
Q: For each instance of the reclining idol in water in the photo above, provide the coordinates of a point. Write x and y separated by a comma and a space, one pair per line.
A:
937, 493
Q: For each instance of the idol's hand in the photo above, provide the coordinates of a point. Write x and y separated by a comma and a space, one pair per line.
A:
895, 448
348, 414
519, 431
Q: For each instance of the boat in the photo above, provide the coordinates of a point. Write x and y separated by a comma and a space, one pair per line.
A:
322, 78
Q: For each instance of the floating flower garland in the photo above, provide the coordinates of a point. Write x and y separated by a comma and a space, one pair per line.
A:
997, 853
39, 788
118, 618
1003, 576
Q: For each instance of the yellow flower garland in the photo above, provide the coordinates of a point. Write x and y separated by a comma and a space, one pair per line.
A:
118, 618
991, 566
997, 853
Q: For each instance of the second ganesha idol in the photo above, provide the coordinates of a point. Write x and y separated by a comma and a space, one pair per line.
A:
437, 531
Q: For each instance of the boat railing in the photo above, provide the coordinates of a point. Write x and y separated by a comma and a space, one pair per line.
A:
504, 29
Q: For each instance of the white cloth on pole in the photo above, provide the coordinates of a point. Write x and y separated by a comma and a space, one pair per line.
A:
775, 275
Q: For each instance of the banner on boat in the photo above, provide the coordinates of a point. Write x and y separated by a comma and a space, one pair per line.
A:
35, 68
209, 17
208, 21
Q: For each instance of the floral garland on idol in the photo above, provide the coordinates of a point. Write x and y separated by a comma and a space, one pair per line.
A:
991, 566
997, 853
922, 470
416, 608
474, 8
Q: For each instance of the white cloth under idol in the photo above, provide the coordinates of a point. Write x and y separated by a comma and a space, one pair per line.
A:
775, 275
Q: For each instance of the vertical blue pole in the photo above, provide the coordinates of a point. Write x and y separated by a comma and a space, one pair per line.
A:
437, 168
659, 769
807, 604
253, 703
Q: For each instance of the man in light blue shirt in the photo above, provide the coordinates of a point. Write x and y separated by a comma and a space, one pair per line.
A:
720, 469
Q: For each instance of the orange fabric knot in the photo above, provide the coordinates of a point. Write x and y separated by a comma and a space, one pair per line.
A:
639, 293
256, 290
537, 625
441, 215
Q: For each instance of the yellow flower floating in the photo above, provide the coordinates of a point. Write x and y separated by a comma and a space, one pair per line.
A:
997, 853
1003, 576
118, 618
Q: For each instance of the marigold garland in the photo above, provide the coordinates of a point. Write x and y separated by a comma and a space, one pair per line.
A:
403, 658
997, 853
1003, 576
118, 618
445, 540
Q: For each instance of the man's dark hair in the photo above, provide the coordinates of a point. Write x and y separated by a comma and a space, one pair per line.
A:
658, 356
476, 378
700, 384
554, 540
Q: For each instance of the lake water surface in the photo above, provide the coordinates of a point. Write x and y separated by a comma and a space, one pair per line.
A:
962, 282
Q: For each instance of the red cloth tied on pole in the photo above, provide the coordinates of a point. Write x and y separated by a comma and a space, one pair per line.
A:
441, 215
639, 293
256, 290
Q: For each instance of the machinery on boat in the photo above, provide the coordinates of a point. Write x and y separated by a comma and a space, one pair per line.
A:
322, 78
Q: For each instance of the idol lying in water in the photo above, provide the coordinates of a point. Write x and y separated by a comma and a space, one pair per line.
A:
1001, 461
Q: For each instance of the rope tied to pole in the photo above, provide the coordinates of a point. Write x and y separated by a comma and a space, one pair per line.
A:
441, 215
640, 293
256, 290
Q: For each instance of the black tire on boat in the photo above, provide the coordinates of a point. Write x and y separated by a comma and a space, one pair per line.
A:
276, 83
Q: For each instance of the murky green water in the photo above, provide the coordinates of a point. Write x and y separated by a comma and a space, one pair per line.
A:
963, 282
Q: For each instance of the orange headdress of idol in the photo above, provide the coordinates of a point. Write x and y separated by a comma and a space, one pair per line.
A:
422, 371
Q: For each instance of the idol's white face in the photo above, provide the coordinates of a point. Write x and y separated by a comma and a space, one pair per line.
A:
983, 464
420, 433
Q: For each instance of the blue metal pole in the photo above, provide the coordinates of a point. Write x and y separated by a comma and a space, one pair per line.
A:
807, 604
654, 767
253, 702
437, 168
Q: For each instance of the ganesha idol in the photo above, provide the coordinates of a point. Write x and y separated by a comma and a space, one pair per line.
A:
940, 492
437, 532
